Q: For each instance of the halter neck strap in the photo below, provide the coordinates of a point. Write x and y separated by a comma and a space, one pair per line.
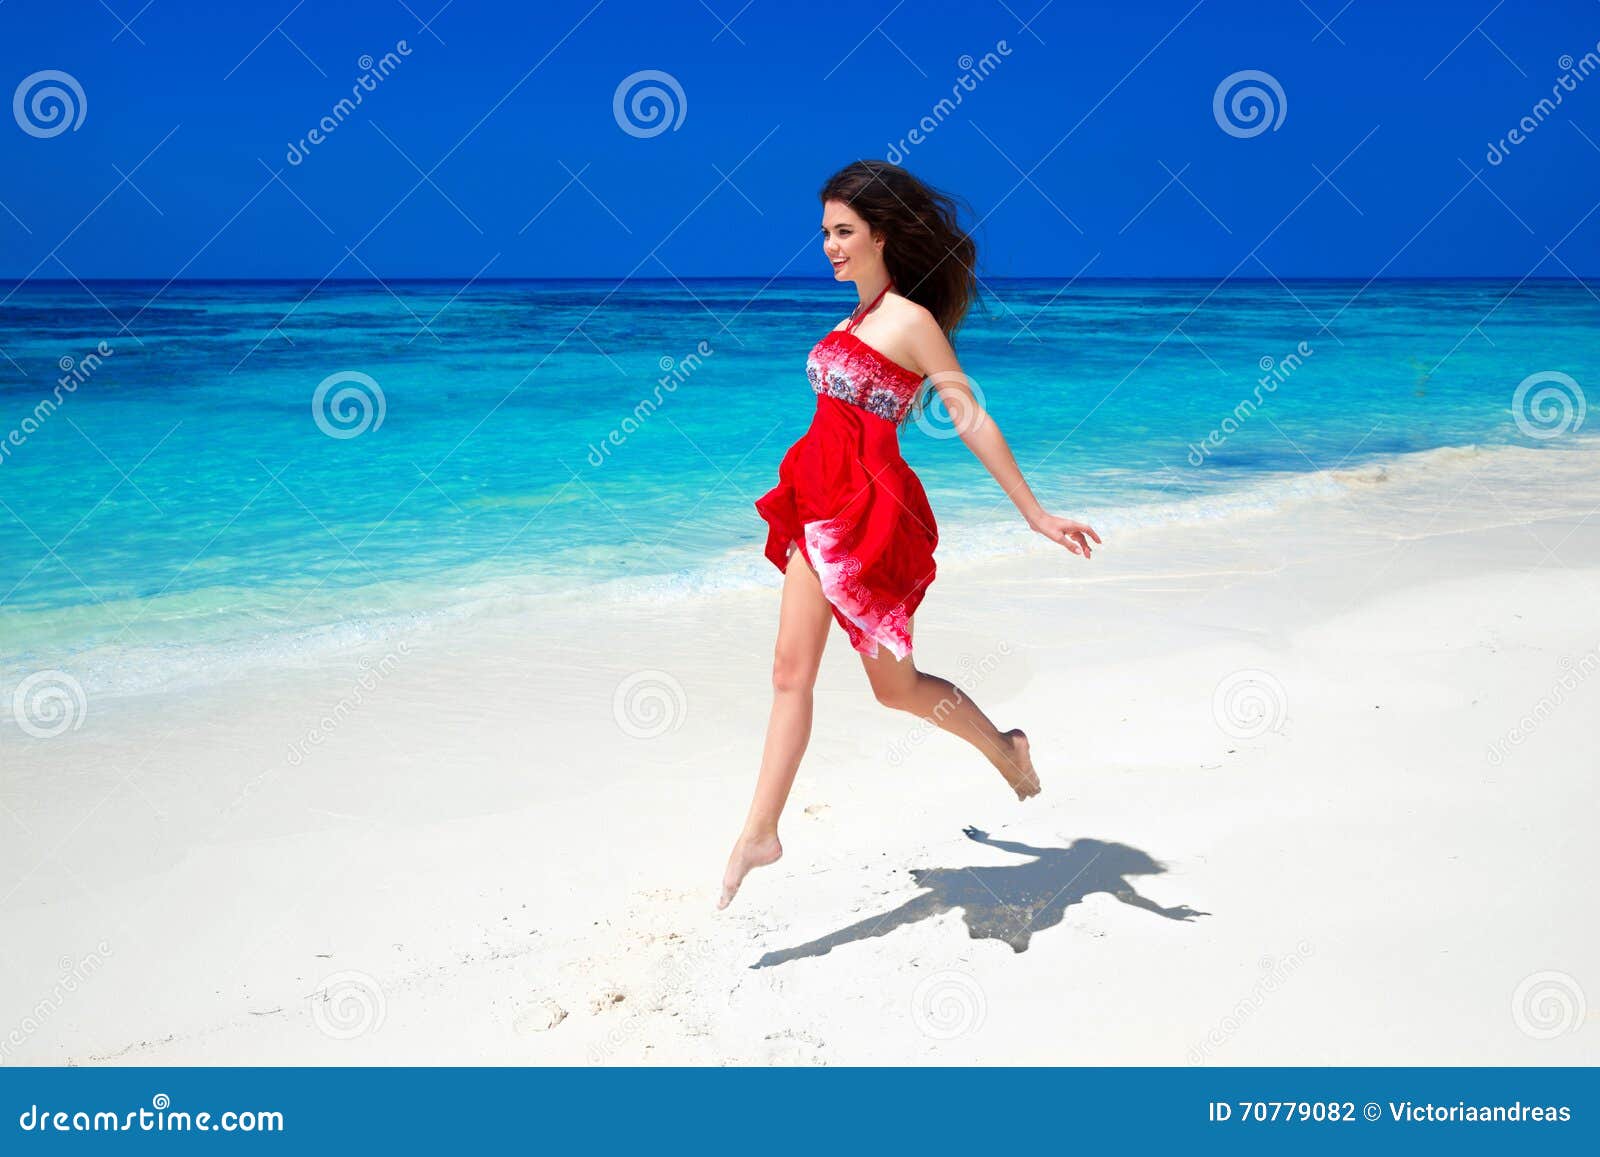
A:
849, 326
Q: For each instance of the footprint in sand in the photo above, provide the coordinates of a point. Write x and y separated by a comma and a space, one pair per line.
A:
539, 1017
794, 1047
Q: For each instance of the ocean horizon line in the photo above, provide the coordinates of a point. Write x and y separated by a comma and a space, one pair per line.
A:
15, 283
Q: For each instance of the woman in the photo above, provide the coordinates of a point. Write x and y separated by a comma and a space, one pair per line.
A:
851, 509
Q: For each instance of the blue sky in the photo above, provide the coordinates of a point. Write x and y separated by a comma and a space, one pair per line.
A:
1091, 146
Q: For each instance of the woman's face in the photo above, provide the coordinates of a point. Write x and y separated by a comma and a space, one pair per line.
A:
848, 243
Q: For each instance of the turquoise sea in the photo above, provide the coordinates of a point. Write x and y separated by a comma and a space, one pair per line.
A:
199, 477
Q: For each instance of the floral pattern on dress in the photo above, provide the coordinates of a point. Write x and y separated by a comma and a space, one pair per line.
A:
873, 548
871, 619
843, 366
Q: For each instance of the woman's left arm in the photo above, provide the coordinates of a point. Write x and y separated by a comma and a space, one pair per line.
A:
982, 436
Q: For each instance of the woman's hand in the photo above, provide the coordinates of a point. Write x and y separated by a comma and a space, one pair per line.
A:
1072, 535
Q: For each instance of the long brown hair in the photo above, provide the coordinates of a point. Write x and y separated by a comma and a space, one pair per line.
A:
932, 260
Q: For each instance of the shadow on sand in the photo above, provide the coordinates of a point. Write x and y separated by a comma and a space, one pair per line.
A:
1008, 903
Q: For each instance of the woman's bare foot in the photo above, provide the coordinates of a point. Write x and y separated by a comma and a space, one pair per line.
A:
747, 854
1018, 768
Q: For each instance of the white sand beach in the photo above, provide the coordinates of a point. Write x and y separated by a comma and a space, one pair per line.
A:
1319, 785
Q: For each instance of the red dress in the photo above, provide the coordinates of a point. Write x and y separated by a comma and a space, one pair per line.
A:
848, 500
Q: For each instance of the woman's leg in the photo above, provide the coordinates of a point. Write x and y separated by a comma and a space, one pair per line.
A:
804, 618
897, 683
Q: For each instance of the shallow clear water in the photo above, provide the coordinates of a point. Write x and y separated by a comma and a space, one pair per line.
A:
181, 508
